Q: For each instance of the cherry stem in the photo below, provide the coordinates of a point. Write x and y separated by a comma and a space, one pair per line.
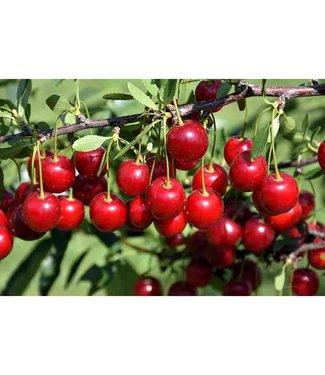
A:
43, 151
277, 173
41, 192
108, 197
167, 184
33, 170
204, 190
71, 198
152, 169
269, 160
245, 122
180, 121
214, 142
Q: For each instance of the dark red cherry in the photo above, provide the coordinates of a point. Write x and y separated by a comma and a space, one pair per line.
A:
147, 286
286, 221
20, 229
307, 203
215, 177
198, 273
305, 282
160, 169
4, 222
203, 210
198, 242
235, 146
257, 235
182, 288
208, 90
7, 201
316, 258
139, 213
41, 214
237, 288
224, 232
321, 155
247, 270
72, 213
133, 177
257, 203
237, 210
23, 190
176, 240
187, 142
88, 163
107, 215
165, 201
220, 257
170, 227
85, 189
6, 242
29, 163
183, 165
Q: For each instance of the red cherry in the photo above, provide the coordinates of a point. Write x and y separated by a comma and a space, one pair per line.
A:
85, 189
215, 177
183, 165
277, 196
321, 155
166, 202
88, 163
29, 163
257, 235
72, 213
224, 232
286, 221
198, 242
257, 203
20, 229
203, 210
247, 270
316, 258
4, 222
246, 173
23, 190
58, 175
208, 90
305, 282
41, 214
170, 227
187, 142
6, 242
182, 288
133, 177
237, 210
175, 240
198, 273
235, 146
147, 286
139, 213
160, 169
7, 201
220, 257
307, 202
107, 216
237, 288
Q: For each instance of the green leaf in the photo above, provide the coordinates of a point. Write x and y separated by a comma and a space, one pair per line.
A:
58, 104
313, 173
294, 137
69, 118
98, 277
260, 140
7, 152
169, 91
117, 96
74, 267
150, 86
223, 90
6, 115
141, 97
289, 123
23, 93
89, 143
279, 280
275, 128
305, 124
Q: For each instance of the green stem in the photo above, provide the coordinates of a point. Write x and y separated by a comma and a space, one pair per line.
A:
108, 197
180, 121
214, 141
269, 160
77, 94
167, 184
204, 190
71, 198
33, 170
277, 173
245, 122
41, 192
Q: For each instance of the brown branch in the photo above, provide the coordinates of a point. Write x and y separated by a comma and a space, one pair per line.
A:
306, 247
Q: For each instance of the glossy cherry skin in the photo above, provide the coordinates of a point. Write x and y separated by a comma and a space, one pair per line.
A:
307, 203
6, 242
224, 232
208, 90
20, 229
198, 242
72, 213
23, 190
182, 288
107, 216
321, 155
183, 165
41, 214
257, 203
246, 173
198, 273
29, 163
133, 177
187, 142
220, 257
160, 169
257, 235
139, 213
176, 240
4, 222
170, 227
203, 210
237, 210
215, 178
166, 202
277, 196
85, 189
58, 175
234, 146
7, 201
147, 286
237, 288
88, 163
286, 221
247, 270
316, 258
305, 282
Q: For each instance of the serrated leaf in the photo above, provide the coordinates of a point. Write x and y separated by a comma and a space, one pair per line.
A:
169, 90
89, 143
279, 281
150, 86
305, 124
223, 90
274, 128
289, 123
118, 96
260, 140
313, 173
58, 104
141, 97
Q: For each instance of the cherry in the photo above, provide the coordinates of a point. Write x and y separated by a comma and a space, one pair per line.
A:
175, 240
7, 201
203, 210
198, 273
246, 173
160, 169
247, 270
107, 215
147, 286
183, 165
4, 222
20, 229
307, 202
72, 213
257, 235
170, 227
6, 242
237, 210
165, 201
215, 177
224, 232
305, 282
257, 203
277, 196
23, 190
85, 189
220, 257
236, 145
321, 155
287, 220
139, 213
208, 90
88, 163
198, 242
237, 288
187, 142
182, 288
133, 177
316, 258
29, 163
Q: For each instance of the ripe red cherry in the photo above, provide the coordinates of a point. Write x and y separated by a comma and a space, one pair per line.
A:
41, 214
170, 227
307, 202
316, 258
257, 203
7, 201
175, 240
215, 177
23, 190
246, 173
187, 142
183, 165
58, 175
147, 286
305, 282
247, 270
29, 163
237, 210
237, 288
198, 273
85, 189
286, 221
107, 216
88, 163
208, 90
6, 242
277, 196
166, 202
220, 257
257, 235
235, 146
203, 210
198, 242
224, 232
182, 288
72, 213
4, 222
139, 213
160, 169
133, 177
321, 155
20, 229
